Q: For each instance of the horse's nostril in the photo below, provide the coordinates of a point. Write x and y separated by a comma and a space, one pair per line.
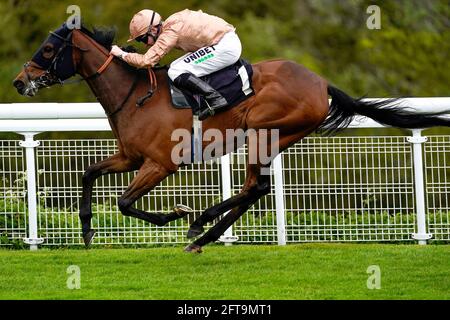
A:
19, 85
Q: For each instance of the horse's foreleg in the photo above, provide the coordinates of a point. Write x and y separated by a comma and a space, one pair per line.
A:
114, 164
252, 192
149, 176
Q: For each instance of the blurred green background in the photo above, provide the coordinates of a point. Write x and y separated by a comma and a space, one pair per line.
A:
409, 56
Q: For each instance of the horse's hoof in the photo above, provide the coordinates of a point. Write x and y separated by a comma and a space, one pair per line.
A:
194, 232
88, 237
193, 248
182, 210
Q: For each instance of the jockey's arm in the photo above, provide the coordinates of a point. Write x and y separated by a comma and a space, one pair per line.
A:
166, 41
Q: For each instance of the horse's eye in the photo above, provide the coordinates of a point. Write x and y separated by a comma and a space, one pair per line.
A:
47, 51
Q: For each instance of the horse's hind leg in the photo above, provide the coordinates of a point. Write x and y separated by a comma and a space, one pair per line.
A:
149, 176
215, 211
253, 176
114, 164
255, 187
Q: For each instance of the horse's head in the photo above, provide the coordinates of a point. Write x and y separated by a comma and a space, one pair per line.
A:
52, 63
58, 57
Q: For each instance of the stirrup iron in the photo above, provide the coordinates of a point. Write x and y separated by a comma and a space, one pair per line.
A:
211, 110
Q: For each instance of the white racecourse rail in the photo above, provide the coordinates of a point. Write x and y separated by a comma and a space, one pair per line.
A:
345, 188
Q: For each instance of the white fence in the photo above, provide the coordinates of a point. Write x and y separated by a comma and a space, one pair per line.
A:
346, 188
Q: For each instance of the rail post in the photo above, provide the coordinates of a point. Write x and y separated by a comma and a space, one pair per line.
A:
419, 185
228, 238
279, 199
30, 144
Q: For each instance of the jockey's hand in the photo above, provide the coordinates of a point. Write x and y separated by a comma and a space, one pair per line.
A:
116, 51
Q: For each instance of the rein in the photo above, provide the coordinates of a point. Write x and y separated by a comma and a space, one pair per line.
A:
140, 101
120, 107
95, 75
153, 87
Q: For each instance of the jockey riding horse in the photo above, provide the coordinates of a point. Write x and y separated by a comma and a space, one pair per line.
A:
210, 42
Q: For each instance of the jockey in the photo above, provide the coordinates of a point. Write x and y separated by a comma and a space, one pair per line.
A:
210, 42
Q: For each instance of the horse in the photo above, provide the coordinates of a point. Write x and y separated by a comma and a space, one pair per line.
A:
288, 98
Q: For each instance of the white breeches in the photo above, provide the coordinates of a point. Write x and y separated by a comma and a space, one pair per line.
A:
210, 59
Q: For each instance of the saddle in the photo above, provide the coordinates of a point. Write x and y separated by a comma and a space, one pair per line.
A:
234, 83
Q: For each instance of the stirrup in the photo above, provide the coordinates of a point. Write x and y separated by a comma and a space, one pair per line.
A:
211, 110
207, 112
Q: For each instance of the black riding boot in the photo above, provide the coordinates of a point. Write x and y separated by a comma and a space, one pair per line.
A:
214, 99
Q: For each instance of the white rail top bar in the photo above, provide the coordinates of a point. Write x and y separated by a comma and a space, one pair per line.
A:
45, 125
44, 117
33, 111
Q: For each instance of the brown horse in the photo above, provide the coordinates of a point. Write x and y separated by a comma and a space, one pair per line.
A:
288, 97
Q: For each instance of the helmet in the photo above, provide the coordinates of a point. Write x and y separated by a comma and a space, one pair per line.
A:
142, 23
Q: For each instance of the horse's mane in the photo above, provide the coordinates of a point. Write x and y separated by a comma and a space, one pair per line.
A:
102, 35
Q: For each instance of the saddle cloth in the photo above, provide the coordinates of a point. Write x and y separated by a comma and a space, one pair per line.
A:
233, 82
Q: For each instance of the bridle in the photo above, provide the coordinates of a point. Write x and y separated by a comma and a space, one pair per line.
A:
50, 77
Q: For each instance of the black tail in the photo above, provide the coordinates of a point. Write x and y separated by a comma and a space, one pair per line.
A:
344, 108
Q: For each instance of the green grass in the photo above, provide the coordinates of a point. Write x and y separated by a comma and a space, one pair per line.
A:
307, 271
